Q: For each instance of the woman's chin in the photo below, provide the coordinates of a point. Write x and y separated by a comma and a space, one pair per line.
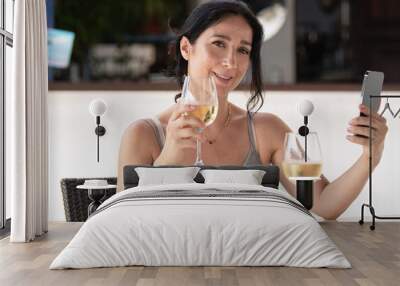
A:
225, 89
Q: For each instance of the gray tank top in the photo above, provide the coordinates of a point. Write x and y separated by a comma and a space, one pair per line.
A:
252, 158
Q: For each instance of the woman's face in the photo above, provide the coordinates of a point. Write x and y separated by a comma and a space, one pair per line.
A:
222, 50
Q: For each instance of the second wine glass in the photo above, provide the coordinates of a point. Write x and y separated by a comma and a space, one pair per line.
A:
302, 158
201, 92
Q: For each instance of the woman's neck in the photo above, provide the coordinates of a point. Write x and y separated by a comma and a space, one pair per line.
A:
223, 112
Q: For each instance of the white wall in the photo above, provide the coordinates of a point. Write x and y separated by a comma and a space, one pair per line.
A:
73, 142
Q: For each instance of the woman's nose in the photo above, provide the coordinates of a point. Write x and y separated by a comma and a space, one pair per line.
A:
229, 60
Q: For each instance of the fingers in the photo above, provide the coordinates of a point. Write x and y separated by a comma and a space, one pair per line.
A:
186, 121
379, 132
358, 140
365, 110
183, 114
376, 120
188, 132
183, 128
187, 138
181, 109
182, 117
359, 128
188, 143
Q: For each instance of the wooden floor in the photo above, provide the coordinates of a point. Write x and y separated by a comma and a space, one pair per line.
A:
374, 255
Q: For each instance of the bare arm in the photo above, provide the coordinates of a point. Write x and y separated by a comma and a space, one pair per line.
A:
137, 148
139, 145
332, 199
338, 195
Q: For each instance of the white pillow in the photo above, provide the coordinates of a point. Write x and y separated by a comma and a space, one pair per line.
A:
169, 175
248, 177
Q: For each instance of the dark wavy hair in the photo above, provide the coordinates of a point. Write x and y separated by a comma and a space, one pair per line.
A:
206, 15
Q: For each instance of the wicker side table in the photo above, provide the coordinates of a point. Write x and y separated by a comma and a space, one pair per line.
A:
76, 202
96, 195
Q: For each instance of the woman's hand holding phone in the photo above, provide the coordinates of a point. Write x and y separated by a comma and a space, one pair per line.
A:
359, 133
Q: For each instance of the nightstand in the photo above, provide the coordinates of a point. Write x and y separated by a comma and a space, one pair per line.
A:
96, 194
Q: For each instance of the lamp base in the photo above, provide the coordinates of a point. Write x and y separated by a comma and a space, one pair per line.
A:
304, 193
100, 130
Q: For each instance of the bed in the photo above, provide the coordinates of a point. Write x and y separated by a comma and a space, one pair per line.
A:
201, 223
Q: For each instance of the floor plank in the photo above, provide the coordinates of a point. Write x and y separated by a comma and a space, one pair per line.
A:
374, 255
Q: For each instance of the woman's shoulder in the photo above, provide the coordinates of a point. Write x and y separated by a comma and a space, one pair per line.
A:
263, 121
146, 126
270, 127
267, 121
141, 125
139, 130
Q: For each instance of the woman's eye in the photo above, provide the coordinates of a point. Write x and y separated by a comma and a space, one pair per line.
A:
219, 44
244, 51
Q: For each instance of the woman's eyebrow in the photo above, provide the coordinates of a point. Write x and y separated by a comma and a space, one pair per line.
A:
229, 39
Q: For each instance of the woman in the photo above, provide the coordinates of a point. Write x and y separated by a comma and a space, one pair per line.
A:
223, 38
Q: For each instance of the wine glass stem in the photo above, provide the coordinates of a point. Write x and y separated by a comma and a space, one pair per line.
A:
199, 161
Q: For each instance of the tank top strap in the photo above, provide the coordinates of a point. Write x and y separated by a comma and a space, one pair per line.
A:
251, 130
158, 130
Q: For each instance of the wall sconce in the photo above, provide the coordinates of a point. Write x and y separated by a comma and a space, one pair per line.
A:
97, 108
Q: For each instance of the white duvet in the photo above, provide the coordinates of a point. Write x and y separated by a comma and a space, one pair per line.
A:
245, 225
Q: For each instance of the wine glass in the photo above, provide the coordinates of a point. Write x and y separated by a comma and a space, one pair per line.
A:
201, 92
302, 158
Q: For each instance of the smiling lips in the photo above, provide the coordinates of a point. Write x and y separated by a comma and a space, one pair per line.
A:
223, 78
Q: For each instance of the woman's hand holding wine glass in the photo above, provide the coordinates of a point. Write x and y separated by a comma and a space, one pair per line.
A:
197, 108
181, 134
201, 93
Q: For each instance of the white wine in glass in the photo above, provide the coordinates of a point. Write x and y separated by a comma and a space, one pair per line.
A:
206, 113
302, 170
201, 92
302, 159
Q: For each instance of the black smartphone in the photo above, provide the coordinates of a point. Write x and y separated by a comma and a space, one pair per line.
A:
372, 85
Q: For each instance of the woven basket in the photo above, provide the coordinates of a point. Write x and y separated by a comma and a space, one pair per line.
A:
76, 201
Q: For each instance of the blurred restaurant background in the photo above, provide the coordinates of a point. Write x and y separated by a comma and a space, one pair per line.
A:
118, 51
125, 42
